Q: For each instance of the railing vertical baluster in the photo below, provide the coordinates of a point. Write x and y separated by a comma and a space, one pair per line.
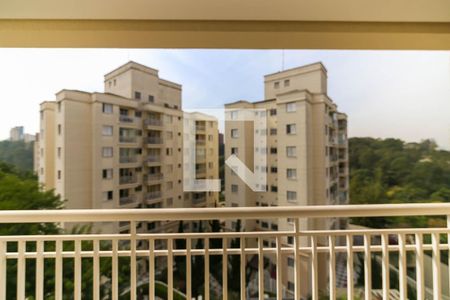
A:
243, 264
115, 269
279, 270
385, 266
58, 270
170, 269
188, 269
3, 269
349, 242
77, 271
367, 268
402, 266
21, 270
419, 268
39, 270
448, 243
315, 269
332, 267
297, 289
151, 269
437, 291
96, 267
206, 268
260, 269
225, 268
133, 279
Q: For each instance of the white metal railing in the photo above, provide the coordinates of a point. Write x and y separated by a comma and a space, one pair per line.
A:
309, 250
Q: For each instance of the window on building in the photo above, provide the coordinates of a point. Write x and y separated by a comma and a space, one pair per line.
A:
59, 174
291, 151
210, 137
137, 95
291, 173
290, 262
291, 107
107, 130
107, 173
273, 150
276, 84
234, 115
138, 114
107, 196
273, 169
59, 129
234, 133
107, 152
273, 131
273, 188
291, 196
210, 165
151, 98
169, 185
59, 152
291, 129
291, 286
169, 119
273, 111
107, 108
234, 188
59, 106
287, 82
169, 135
169, 202
234, 150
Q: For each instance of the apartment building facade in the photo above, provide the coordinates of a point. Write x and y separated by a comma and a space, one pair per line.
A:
306, 150
119, 149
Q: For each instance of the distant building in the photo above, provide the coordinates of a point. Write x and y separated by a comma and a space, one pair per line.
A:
17, 134
123, 148
307, 153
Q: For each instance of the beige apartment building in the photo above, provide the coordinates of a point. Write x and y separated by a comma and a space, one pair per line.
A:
306, 147
122, 148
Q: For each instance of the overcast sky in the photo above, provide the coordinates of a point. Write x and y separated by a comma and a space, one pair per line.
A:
402, 94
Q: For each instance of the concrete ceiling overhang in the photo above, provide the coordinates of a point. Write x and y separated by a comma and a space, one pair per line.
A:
307, 24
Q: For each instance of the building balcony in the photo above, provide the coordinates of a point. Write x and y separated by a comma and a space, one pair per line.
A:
125, 200
153, 122
153, 159
153, 140
128, 139
126, 119
200, 127
127, 179
154, 177
333, 262
128, 159
153, 195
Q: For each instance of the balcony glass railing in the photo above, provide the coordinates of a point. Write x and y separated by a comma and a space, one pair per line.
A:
128, 179
126, 119
127, 200
127, 139
128, 159
336, 263
153, 122
153, 158
154, 140
153, 195
154, 176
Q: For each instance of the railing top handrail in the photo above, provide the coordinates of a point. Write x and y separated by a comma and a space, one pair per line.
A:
111, 215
